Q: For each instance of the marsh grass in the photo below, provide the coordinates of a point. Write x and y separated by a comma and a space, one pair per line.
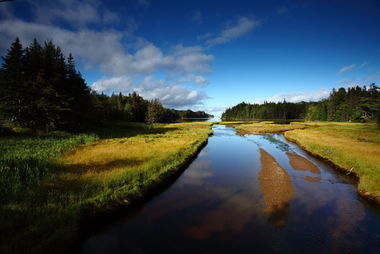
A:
351, 146
354, 147
49, 184
263, 127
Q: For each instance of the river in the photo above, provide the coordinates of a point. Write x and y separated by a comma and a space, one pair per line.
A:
244, 194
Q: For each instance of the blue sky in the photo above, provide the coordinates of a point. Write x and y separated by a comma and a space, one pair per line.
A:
208, 55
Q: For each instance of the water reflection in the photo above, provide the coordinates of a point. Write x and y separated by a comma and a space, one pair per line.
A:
256, 193
230, 214
277, 188
273, 139
199, 174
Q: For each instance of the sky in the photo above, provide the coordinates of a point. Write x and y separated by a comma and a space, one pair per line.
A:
205, 54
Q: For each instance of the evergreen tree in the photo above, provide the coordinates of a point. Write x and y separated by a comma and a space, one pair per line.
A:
355, 104
78, 97
12, 84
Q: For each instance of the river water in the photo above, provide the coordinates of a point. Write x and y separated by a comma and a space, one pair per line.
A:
245, 194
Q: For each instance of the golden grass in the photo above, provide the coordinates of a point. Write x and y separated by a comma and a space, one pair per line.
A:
263, 127
94, 178
354, 147
351, 146
106, 159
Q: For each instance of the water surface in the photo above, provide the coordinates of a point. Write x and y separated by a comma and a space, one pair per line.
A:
252, 193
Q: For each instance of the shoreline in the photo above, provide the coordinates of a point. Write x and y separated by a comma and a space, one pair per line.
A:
328, 161
257, 129
120, 206
362, 193
85, 178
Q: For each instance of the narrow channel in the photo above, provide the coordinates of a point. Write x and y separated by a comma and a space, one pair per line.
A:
251, 193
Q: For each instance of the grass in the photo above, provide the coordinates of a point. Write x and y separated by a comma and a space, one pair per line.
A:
354, 147
263, 127
49, 184
351, 146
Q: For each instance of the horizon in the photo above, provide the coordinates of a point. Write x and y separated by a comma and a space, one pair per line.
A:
208, 57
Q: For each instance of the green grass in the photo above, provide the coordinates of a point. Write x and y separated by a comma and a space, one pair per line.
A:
49, 184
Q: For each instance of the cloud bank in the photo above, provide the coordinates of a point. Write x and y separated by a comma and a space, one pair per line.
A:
171, 95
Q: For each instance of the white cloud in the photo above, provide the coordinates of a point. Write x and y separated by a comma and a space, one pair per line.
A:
371, 78
216, 111
106, 50
242, 27
170, 95
115, 84
363, 64
195, 79
76, 13
94, 47
347, 68
204, 36
296, 96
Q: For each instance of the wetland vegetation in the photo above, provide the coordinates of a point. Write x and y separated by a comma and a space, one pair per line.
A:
48, 187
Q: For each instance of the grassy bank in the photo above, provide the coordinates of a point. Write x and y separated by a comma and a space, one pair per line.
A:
263, 127
49, 185
354, 147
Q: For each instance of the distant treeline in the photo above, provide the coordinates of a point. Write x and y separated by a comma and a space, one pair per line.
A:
357, 104
42, 90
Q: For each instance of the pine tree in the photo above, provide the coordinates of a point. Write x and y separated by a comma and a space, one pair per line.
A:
12, 84
33, 63
78, 97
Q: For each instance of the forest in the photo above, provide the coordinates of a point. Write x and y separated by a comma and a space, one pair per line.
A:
354, 104
42, 90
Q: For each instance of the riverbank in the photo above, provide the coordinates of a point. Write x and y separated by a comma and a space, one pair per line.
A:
352, 147
57, 186
263, 127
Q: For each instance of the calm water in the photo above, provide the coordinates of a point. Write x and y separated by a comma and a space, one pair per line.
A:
256, 193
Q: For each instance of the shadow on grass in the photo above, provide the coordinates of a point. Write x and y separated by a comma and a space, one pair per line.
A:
121, 130
104, 131
100, 167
